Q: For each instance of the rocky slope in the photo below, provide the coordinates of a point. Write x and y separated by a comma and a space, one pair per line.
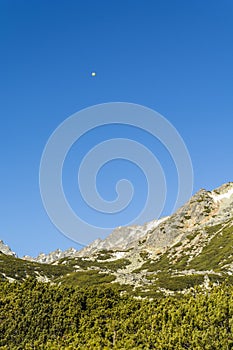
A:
204, 209
122, 238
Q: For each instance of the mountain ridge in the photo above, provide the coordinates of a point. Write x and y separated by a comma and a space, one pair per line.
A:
125, 237
191, 247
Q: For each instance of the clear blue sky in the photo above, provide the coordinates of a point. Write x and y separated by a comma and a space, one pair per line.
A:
173, 56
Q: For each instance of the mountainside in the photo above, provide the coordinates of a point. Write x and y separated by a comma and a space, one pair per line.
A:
193, 246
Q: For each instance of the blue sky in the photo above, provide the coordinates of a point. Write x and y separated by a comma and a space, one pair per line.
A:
172, 56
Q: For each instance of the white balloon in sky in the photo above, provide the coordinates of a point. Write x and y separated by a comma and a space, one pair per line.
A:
93, 74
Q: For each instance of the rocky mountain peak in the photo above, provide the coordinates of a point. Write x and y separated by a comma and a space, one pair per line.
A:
52, 256
205, 208
6, 250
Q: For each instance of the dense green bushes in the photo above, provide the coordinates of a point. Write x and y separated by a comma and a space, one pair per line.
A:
34, 315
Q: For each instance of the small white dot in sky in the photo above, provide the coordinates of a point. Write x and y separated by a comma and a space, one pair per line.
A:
93, 74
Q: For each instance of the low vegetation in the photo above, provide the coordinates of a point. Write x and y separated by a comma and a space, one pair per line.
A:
19, 269
36, 315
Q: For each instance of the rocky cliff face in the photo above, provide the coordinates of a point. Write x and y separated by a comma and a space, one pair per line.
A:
204, 209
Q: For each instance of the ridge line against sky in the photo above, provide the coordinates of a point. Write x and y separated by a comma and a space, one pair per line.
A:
172, 56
